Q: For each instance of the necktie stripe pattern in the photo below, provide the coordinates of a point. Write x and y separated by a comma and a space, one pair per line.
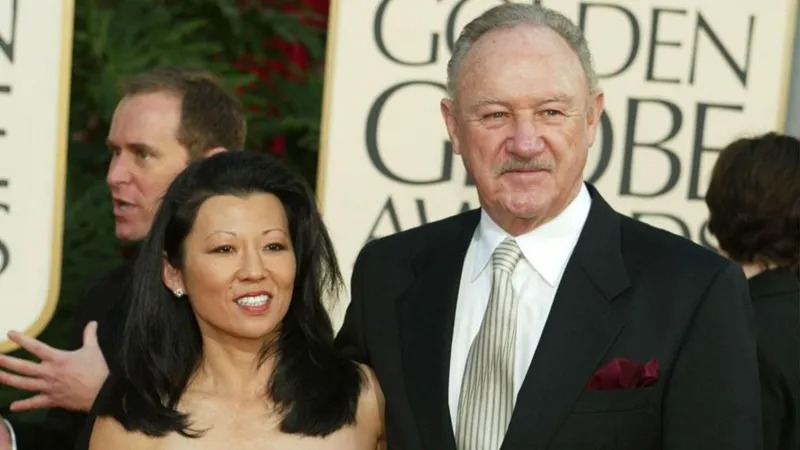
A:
487, 391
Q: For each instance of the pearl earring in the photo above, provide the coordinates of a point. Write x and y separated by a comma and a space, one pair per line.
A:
179, 293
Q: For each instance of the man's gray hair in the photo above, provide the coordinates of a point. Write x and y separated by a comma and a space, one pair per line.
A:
510, 15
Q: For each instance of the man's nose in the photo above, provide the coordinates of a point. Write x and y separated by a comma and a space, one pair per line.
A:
118, 170
526, 139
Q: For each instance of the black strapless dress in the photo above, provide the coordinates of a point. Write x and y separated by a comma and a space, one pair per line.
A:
100, 404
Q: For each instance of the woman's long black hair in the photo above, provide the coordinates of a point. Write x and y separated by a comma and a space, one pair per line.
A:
316, 389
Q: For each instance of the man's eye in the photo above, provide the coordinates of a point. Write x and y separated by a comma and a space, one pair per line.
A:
551, 113
143, 155
495, 115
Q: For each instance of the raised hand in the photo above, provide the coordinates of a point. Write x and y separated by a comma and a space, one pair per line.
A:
64, 379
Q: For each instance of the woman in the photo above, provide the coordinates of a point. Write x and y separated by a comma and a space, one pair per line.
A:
754, 204
228, 344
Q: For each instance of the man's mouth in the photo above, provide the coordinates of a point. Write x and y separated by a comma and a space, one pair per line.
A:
121, 206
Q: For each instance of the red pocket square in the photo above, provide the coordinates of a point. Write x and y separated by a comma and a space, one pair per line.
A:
623, 373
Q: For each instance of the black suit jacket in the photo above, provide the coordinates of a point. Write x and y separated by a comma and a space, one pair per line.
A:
629, 290
104, 301
776, 304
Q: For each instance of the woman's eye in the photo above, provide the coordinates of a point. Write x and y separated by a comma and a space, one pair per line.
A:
274, 247
223, 249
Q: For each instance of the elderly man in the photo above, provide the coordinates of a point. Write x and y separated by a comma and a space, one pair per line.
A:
166, 118
545, 319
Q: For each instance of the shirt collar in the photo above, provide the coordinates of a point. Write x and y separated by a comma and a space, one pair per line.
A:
547, 248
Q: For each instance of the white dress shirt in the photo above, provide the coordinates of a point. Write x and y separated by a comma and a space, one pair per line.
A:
545, 252
11, 433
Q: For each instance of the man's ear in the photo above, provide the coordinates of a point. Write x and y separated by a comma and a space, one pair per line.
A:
447, 107
593, 114
171, 276
213, 151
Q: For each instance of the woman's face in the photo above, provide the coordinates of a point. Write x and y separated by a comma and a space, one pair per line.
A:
239, 267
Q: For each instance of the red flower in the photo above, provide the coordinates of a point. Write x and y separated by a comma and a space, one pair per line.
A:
278, 146
291, 61
622, 373
293, 58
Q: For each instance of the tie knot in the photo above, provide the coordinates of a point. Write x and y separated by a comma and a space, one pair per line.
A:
506, 256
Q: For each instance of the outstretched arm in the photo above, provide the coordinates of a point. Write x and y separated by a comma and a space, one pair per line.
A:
65, 379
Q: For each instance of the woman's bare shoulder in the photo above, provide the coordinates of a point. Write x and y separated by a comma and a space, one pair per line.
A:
108, 433
371, 404
371, 388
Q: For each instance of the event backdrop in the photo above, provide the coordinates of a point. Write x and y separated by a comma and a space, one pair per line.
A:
682, 78
35, 56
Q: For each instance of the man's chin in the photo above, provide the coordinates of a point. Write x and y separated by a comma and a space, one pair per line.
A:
128, 234
527, 206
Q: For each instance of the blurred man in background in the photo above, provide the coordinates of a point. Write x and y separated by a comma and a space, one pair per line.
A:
167, 118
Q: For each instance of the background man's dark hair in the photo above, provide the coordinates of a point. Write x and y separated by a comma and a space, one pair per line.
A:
210, 115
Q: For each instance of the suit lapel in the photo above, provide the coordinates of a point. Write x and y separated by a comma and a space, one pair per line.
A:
580, 328
425, 314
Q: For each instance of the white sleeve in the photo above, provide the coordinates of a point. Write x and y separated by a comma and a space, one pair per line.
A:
11, 432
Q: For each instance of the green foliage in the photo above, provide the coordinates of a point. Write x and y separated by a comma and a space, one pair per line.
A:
113, 39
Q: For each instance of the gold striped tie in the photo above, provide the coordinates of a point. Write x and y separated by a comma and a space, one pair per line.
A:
487, 390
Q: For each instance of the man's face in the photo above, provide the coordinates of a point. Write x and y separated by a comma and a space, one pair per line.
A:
146, 157
523, 120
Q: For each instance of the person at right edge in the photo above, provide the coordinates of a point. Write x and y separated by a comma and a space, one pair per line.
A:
545, 319
754, 212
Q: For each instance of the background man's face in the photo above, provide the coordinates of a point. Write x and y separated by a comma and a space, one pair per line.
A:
146, 157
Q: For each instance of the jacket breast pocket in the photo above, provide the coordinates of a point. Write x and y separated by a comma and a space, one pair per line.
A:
616, 400
625, 419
